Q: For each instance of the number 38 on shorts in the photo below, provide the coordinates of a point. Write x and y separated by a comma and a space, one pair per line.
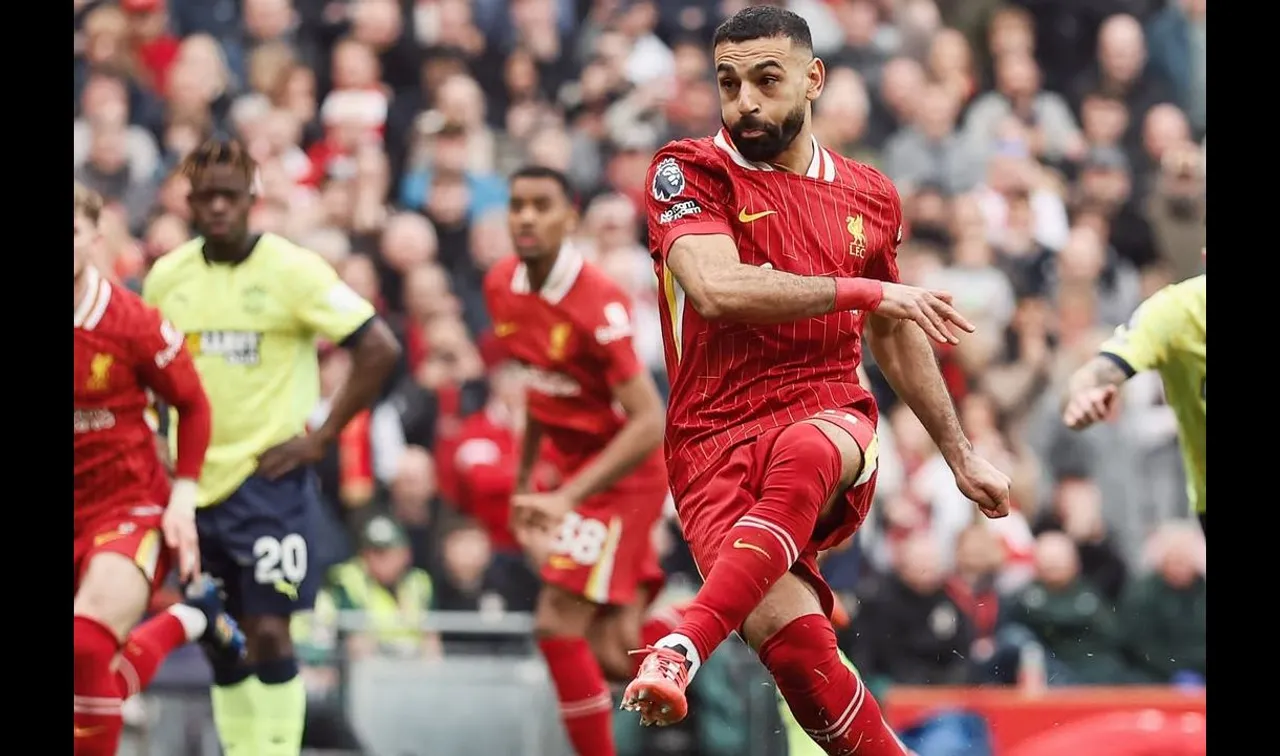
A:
582, 540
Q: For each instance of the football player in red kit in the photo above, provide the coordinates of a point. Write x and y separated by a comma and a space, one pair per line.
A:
123, 529
773, 254
594, 413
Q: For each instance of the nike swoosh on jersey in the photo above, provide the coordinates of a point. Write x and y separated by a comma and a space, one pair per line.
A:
745, 217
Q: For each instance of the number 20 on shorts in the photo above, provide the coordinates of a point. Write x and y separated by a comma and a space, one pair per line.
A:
277, 559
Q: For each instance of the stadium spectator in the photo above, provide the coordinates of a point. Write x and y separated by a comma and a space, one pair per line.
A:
1068, 617
1077, 511
909, 629
1163, 612
393, 595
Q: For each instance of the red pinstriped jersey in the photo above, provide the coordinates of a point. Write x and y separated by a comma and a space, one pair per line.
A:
573, 341
732, 381
122, 349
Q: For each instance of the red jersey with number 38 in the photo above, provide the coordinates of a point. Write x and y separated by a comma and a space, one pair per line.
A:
733, 381
573, 341
122, 348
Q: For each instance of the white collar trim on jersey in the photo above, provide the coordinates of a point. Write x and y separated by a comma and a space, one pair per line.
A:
92, 306
821, 167
564, 273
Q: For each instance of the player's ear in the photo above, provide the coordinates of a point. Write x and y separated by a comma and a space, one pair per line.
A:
816, 75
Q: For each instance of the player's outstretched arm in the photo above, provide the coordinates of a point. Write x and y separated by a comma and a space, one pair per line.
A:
165, 366
1141, 344
904, 355
721, 287
1092, 391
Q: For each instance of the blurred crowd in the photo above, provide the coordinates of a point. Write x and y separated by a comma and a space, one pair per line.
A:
1051, 159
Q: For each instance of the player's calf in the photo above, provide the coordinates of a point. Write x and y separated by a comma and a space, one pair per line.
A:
561, 624
797, 644
112, 596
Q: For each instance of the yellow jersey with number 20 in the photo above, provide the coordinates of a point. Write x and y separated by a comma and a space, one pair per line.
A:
252, 328
1167, 334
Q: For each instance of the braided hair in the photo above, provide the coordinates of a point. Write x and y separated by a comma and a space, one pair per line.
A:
219, 151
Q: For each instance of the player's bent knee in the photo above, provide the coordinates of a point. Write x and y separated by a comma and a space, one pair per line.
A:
851, 454
613, 636
113, 591
267, 638
561, 613
788, 600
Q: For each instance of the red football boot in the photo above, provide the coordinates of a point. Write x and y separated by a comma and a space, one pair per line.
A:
658, 690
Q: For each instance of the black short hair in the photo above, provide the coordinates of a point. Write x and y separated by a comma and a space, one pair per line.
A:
764, 22
544, 172
219, 151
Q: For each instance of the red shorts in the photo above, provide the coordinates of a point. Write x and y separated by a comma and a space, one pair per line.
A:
133, 532
727, 490
604, 549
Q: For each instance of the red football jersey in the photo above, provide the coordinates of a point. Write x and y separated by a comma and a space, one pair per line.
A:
484, 466
122, 349
573, 339
733, 381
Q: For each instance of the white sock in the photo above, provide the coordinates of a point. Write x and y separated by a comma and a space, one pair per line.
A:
192, 619
690, 651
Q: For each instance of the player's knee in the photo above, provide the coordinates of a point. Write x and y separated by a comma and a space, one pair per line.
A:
113, 592
561, 614
788, 600
268, 639
830, 446
804, 442
612, 640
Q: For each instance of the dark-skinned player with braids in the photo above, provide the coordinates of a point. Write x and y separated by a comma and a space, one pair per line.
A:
253, 307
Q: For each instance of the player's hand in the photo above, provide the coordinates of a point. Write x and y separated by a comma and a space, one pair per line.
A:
283, 459
1089, 406
983, 484
179, 528
929, 308
542, 510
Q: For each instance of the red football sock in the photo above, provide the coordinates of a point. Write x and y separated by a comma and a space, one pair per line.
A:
658, 625
145, 649
585, 704
760, 548
97, 695
827, 698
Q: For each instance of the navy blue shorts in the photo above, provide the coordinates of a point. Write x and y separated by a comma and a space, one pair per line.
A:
257, 542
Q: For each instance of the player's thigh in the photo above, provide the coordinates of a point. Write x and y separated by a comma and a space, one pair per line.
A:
710, 506
266, 527
118, 574
791, 598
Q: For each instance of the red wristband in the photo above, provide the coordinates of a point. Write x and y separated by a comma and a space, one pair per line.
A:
858, 294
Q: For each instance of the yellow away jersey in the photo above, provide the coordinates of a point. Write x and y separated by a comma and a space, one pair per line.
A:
252, 329
1167, 334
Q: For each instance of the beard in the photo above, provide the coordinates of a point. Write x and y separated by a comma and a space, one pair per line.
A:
772, 142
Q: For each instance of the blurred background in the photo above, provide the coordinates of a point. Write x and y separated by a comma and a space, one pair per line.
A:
1051, 159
